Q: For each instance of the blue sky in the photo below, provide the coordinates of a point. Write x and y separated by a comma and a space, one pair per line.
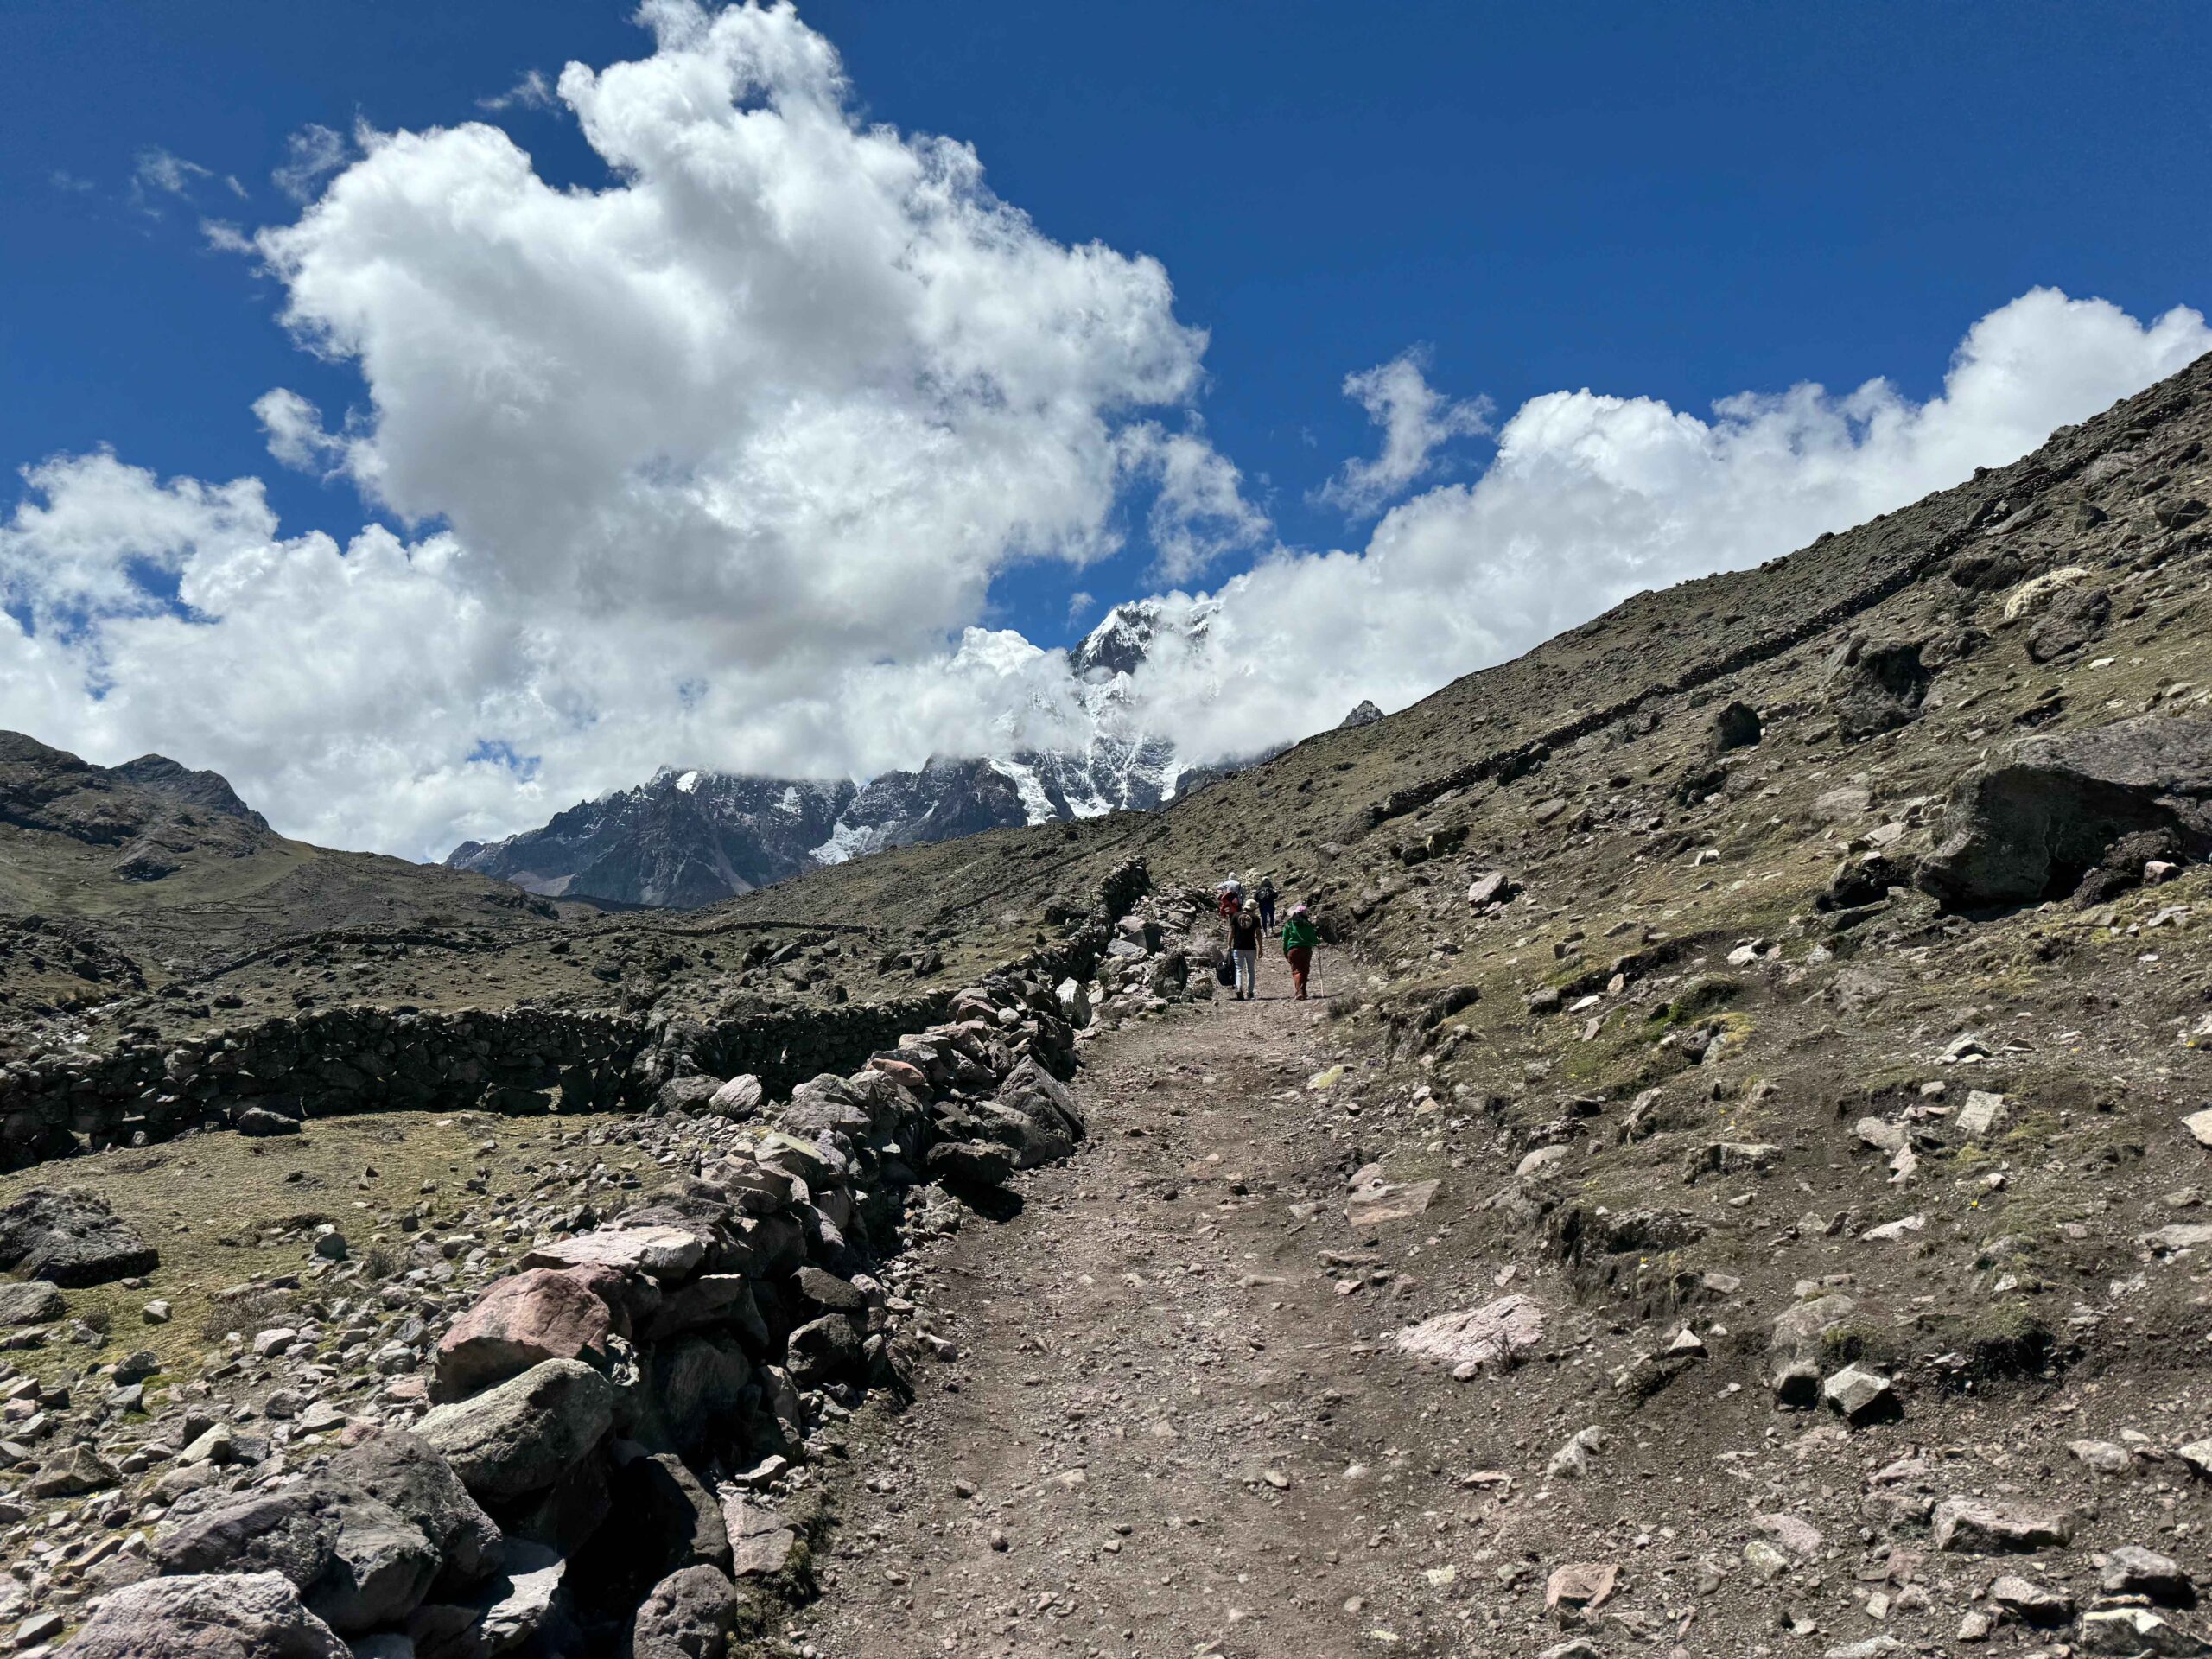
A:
1676, 204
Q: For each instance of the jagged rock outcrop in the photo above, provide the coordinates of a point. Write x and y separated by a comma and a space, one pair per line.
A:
156, 815
2035, 822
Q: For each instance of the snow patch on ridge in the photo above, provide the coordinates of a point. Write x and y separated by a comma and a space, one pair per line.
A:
1034, 801
849, 841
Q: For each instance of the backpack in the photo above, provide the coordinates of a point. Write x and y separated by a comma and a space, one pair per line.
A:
1225, 972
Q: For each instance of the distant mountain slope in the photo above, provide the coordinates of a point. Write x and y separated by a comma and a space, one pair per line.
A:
153, 812
682, 839
115, 877
688, 838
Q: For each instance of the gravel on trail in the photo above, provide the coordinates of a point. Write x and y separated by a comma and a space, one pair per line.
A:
1161, 1433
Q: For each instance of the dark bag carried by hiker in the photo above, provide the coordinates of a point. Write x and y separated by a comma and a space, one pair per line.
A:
1225, 972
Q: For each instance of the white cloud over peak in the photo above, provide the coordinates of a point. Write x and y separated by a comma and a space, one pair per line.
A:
724, 457
1416, 420
716, 462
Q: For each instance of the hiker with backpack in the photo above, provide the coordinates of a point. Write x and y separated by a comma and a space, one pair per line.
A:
1245, 934
1299, 936
1266, 895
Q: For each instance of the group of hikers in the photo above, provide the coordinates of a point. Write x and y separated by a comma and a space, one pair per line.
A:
1251, 919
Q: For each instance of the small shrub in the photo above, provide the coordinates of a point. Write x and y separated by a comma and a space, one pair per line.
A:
246, 1312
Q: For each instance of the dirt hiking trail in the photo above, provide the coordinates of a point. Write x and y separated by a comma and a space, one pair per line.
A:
1165, 1433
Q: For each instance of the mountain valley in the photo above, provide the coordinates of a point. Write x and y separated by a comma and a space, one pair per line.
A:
1738, 1186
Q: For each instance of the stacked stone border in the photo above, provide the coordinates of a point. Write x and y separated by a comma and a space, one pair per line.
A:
270, 1076
600, 1461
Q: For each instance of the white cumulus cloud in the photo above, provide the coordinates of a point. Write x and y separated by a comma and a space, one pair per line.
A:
532, 92
311, 155
716, 461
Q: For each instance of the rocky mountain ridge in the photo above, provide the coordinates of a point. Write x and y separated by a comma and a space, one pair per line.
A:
689, 837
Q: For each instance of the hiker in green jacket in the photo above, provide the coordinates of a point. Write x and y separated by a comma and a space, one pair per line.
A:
1299, 938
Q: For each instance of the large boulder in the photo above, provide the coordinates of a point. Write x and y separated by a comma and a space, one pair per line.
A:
1033, 1091
695, 1383
2075, 620
711, 1299
1493, 1336
206, 1615
827, 1106
34, 1301
1979, 1526
688, 1615
1736, 726
692, 1093
399, 1469
71, 1238
822, 1349
527, 1595
522, 1435
1799, 1349
1876, 686
740, 1098
291, 1531
1030, 1141
2031, 823
381, 1566
539, 1314
358, 1563
2138, 1633
665, 1253
78, 1470
970, 1163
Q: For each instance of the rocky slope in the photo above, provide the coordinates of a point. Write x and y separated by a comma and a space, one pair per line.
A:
120, 886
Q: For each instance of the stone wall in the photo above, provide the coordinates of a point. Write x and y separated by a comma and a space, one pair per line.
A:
269, 1077
598, 1458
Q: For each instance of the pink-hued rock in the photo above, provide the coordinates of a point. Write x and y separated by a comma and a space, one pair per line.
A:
659, 1252
541, 1314
900, 1072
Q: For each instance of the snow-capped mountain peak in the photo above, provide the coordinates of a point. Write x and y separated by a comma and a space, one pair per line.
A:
691, 836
